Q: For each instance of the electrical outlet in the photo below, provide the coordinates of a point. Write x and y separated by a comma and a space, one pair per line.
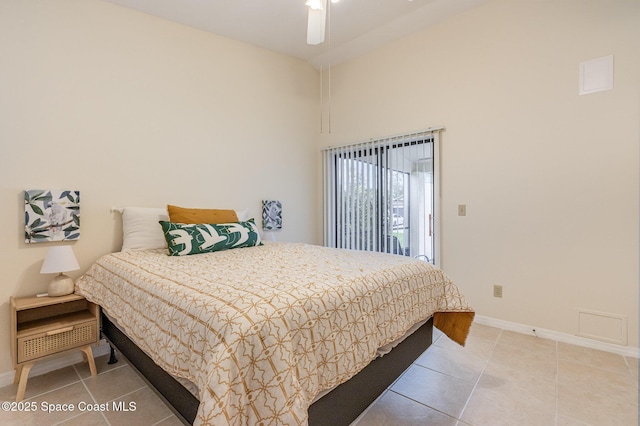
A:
497, 291
462, 209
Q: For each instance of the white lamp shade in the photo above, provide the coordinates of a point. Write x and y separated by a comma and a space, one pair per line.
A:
59, 259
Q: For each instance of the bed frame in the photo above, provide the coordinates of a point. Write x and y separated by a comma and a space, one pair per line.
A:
341, 406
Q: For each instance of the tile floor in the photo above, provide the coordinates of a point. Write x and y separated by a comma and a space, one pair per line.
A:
498, 378
117, 383
505, 378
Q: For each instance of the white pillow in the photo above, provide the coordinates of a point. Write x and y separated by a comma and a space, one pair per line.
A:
140, 228
243, 215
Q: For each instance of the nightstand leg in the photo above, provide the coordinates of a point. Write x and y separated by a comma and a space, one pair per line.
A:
92, 363
16, 378
24, 376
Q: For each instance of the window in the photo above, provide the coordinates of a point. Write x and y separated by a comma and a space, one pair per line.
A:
381, 196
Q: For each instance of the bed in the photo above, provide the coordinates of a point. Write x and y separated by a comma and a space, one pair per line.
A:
264, 331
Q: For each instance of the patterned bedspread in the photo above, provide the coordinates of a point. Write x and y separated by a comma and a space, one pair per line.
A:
262, 330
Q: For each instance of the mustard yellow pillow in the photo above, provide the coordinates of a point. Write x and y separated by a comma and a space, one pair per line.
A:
193, 216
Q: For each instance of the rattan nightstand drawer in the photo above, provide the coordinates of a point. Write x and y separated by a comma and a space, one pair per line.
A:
42, 344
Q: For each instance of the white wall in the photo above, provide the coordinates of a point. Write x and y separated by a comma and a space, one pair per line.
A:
136, 111
550, 178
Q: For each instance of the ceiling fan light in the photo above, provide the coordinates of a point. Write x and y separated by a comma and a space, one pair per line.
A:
314, 4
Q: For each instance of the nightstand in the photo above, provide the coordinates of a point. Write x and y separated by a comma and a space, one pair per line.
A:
42, 327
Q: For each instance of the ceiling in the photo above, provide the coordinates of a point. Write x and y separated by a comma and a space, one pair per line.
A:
357, 26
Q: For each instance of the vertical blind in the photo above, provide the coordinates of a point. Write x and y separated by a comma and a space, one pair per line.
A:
381, 195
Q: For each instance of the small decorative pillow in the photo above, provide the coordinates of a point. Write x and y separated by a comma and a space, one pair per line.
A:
185, 215
184, 239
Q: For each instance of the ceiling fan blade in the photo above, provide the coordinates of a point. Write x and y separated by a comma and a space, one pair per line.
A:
317, 23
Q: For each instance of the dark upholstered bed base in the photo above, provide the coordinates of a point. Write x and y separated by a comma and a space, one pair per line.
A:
339, 407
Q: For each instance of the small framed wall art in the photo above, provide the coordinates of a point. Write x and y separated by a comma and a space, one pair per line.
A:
271, 215
51, 215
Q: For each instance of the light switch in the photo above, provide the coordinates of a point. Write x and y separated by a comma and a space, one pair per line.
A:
462, 209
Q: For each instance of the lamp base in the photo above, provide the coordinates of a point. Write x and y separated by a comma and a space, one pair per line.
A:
61, 285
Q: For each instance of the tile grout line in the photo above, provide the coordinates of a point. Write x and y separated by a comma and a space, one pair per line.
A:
388, 389
475, 385
448, 375
79, 379
53, 390
79, 414
82, 380
423, 404
162, 420
93, 398
129, 393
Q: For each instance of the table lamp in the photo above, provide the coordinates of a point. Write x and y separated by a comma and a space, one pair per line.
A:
60, 259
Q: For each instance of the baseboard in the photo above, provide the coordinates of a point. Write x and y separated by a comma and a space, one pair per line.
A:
52, 364
558, 336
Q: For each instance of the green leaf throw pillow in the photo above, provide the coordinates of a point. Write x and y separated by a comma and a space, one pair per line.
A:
199, 238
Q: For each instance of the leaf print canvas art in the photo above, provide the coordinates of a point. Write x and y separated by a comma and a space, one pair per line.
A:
51, 215
271, 215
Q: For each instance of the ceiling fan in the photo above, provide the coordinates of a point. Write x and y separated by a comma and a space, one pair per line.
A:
317, 21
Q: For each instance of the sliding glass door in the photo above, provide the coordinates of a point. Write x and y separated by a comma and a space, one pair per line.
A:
381, 196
